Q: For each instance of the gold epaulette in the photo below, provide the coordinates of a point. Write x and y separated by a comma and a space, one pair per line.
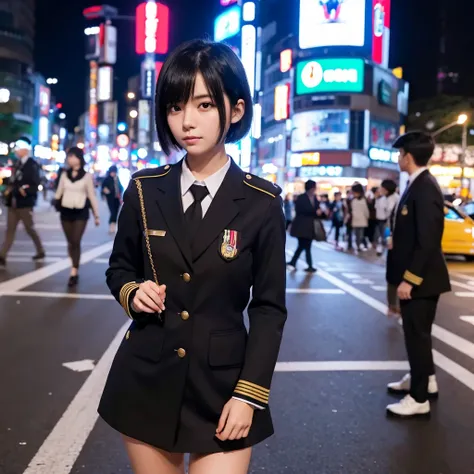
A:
262, 185
152, 172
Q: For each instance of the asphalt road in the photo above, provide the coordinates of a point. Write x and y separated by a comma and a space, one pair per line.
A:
328, 397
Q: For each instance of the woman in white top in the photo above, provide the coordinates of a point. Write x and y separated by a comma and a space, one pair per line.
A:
360, 215
75, 194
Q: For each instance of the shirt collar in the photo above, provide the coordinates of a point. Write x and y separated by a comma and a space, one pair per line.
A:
417, 173
213, 182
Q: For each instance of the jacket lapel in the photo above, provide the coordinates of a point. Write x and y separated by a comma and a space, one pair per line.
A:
222, 211
171, 206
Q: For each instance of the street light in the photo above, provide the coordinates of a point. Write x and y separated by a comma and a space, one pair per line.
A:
4, 96
461, 120
62, 115
131, 95
133, 114
51, 80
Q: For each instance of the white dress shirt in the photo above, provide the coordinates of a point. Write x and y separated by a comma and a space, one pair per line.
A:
213, 183
415, 175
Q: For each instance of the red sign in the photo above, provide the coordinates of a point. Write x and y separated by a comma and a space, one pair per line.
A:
226, 3
152, 28
380, 31
44, 100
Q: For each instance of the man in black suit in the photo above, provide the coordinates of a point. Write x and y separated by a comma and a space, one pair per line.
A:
416, 265
307, 209
20, 197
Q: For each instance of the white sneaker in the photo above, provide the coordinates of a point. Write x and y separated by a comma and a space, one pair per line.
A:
403, 386
407, 407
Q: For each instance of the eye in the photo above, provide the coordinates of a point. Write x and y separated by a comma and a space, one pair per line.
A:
174, 108
206, 105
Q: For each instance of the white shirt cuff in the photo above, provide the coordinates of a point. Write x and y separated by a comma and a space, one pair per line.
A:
250, 403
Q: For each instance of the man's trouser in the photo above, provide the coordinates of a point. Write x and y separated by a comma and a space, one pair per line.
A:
24, 215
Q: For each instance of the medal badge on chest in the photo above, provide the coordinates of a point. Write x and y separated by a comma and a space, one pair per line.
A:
404, 211
229, 245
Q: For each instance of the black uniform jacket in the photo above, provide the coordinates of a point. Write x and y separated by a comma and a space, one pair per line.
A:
25, 176
305, 212
416, 256
171, 378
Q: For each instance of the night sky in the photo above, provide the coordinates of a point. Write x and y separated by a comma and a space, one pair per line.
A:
415, 42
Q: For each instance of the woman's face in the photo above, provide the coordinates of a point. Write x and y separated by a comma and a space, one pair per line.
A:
73, 162
196, 124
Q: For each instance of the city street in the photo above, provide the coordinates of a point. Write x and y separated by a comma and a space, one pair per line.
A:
328, 397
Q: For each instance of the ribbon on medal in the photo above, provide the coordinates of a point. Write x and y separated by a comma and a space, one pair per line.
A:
228, 248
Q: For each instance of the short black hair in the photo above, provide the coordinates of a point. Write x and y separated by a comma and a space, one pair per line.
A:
389, 185
78, 153
310, 184
420, 145
358, 188
223, 73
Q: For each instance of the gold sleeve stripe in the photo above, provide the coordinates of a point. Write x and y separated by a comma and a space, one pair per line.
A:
259, 189
125, 292
254, 386
124, 289
412, 278
251, 395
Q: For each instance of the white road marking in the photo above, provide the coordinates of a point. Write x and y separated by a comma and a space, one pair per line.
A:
49, 294
467, 319
461, 285
378, 287
463, 277
316, 291
18, 283
351, 276
340, 365
363, 281
464, 294
458, 343
64, 444
25, 253
323, 264
86, 365
58, 243
101, 260
29, 260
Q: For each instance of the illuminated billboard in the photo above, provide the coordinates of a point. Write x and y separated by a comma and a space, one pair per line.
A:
227, 24
330, 75
380, 31
152, 28
325, 23
320, 130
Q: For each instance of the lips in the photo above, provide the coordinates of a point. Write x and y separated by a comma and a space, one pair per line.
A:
191, 138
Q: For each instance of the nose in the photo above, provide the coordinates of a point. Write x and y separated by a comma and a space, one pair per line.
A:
188, 119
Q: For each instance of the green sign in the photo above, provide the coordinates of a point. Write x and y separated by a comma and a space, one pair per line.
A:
330, 75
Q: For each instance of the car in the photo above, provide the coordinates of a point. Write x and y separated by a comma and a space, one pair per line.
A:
458, 237
468, 209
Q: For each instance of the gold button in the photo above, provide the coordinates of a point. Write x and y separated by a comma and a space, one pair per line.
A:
184, 315
167, 167
187, 277
181, 353
249, 176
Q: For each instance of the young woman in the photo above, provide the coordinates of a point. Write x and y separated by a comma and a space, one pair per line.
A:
188, 377
75, 194
359, 215
112, 190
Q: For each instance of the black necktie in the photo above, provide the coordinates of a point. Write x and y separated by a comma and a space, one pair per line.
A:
193, 214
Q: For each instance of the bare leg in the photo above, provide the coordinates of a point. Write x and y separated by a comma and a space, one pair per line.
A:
146, 459
233, 462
